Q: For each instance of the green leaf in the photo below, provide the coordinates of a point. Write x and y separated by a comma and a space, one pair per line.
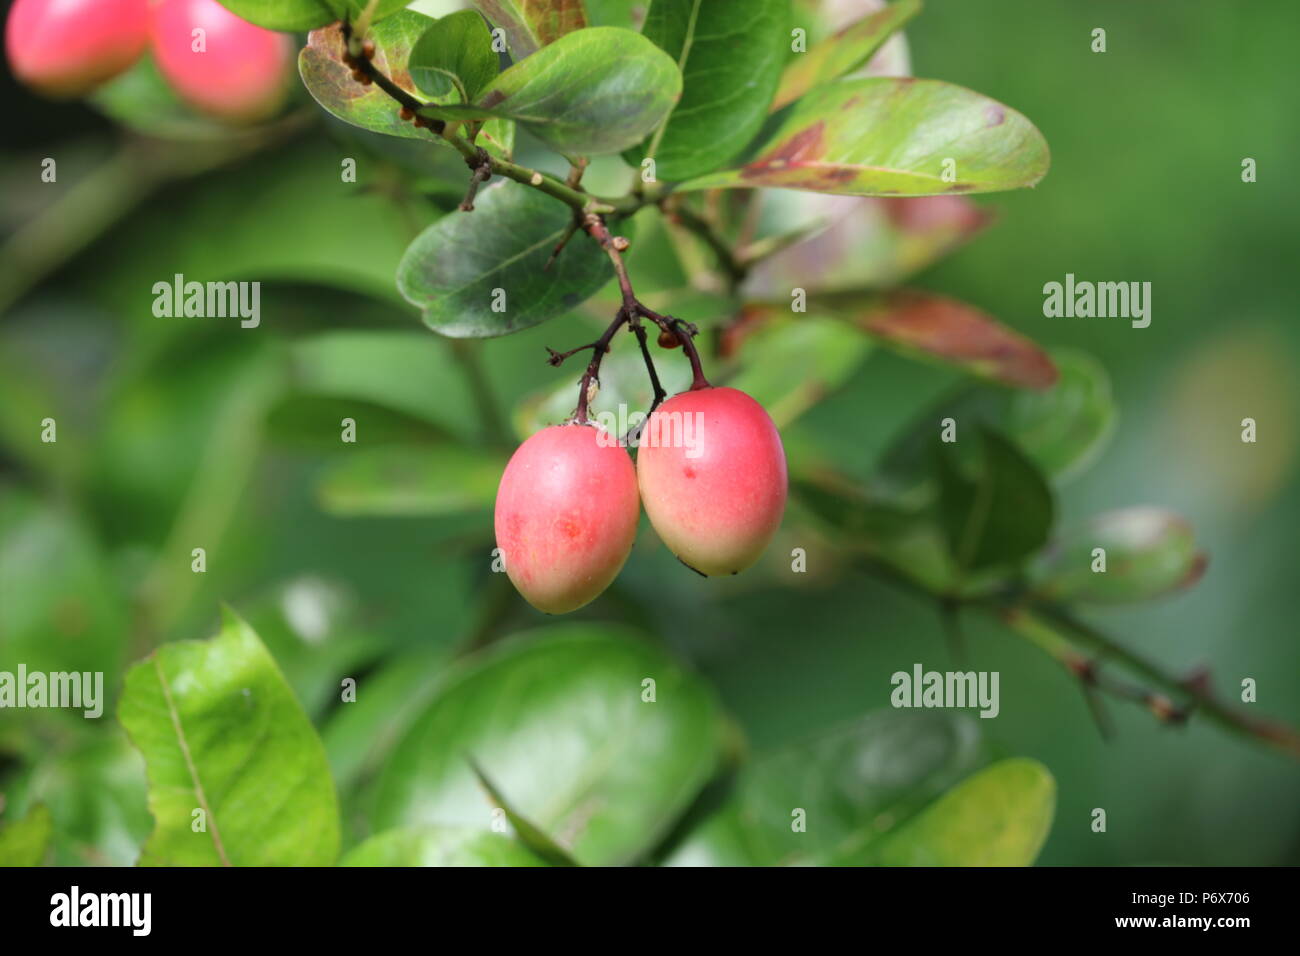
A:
598, 90
1059, 429
730, 64
440, 846
557, 719
892, 137
410, 480
295, 235
529, 833
341, 365
853, 783
24, 842
790, 366
1064, 428
453, 269
532, 24
456, 52
998, 515
94, 786
1001, 816
221, 732
330, 82
842, 53
906, 539
1150, 552
293, 15
359, 737
932, 326
616, 13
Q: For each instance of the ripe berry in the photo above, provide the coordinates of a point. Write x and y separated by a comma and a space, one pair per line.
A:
712, 474
69, 47
233, 70
566, 515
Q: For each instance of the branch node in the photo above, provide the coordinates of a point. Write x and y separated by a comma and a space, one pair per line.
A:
481, 163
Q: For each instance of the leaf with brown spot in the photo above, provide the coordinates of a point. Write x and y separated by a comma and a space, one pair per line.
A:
531, 24
842, 53
893, 137
330, 82
949, 330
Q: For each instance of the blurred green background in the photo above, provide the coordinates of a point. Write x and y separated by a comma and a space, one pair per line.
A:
180, 433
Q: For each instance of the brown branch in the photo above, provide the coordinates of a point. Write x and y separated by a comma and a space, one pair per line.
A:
482, 167
1196, 689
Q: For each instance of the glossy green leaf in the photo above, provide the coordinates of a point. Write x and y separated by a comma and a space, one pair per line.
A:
455, 53
730, 61
440, 846
221, 732
595, 91
925, 325
25, 842
842, 53
789, 366
463, 265
532, 24
410, 480
1064, 428
557, 719
294, 15
997, 513
893, 137
1149, 552
854, 784
1000, 816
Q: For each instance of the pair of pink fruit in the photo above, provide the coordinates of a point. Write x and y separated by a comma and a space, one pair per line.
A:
216, 62
569, 500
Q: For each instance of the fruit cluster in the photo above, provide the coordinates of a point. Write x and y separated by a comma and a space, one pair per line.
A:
217, 63
712, 476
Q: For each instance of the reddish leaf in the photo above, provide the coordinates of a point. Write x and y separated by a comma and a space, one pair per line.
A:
955, 332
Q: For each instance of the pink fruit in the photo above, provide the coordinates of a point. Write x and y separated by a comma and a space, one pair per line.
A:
69, 47
712, 475
566, 516
233, 69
